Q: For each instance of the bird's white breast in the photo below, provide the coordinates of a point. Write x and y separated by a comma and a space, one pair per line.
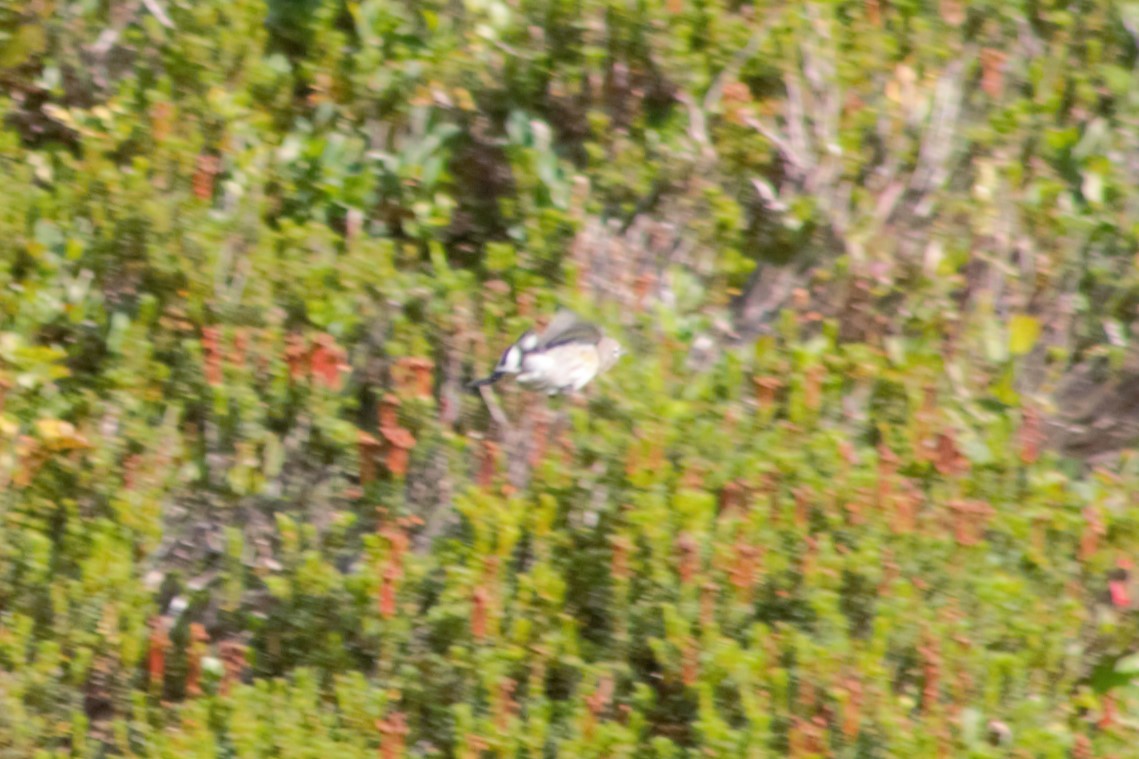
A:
559, 369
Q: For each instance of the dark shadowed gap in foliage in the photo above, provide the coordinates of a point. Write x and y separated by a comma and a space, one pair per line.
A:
889, 404
483, 176
289, 23
562, 680
729, 705
767, 236
907, 666
870, 744
780, 741
589, 589
781, 260
676, 706
788, 607
675, 711
857, 600
35, 128
319, 632
428, 698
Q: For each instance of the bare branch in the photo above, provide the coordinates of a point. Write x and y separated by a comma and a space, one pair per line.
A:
158, 12
496, 412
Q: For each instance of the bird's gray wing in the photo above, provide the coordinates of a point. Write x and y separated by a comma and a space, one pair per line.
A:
568, 327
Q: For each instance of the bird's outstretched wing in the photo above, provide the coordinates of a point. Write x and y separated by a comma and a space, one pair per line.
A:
567, 327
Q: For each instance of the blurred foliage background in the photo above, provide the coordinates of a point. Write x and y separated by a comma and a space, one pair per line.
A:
862, 487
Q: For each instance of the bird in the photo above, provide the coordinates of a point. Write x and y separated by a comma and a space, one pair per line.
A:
562, 358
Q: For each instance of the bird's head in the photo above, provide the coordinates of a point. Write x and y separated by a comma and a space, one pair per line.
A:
608, 351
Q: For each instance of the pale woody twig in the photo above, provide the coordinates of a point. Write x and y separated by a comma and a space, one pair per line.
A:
698, 112
496, 411
808, 143
159, 13
937, 143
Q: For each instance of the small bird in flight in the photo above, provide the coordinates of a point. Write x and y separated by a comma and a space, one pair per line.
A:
563, 358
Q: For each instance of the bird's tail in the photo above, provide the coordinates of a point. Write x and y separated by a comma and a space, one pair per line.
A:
488, 380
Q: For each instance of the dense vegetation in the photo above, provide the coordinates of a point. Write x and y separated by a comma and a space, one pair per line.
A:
855, 492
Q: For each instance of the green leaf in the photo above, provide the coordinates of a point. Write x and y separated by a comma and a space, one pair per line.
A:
1023, 332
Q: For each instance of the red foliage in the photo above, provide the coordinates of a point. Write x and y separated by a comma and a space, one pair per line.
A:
480, 600
329, 362
130, 470
744, 565
852, 709
505, 705
690, 670
597, 703
813, 387
1031, 436
1107, 719
205, 172
689, 551
642, 285
948, 459
488, 463
392, 573
398, 444
539, 439
874, 12
389, 411
389, 580
233, 659
952, 12
296, 356
694, 477
847, 452
524, 301
810, 555
565, 445
413, 376
393, 735
476, 745
1094, 529
856, 507
31, 457
156, 655
931, 672
198, 640
993, 71
1120, 598
490, 567
397, 540
802, 505
969, 520
619, 564
765, 390
237, 351
368, 448
906, 508
732, 498
212, 351
808, 737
